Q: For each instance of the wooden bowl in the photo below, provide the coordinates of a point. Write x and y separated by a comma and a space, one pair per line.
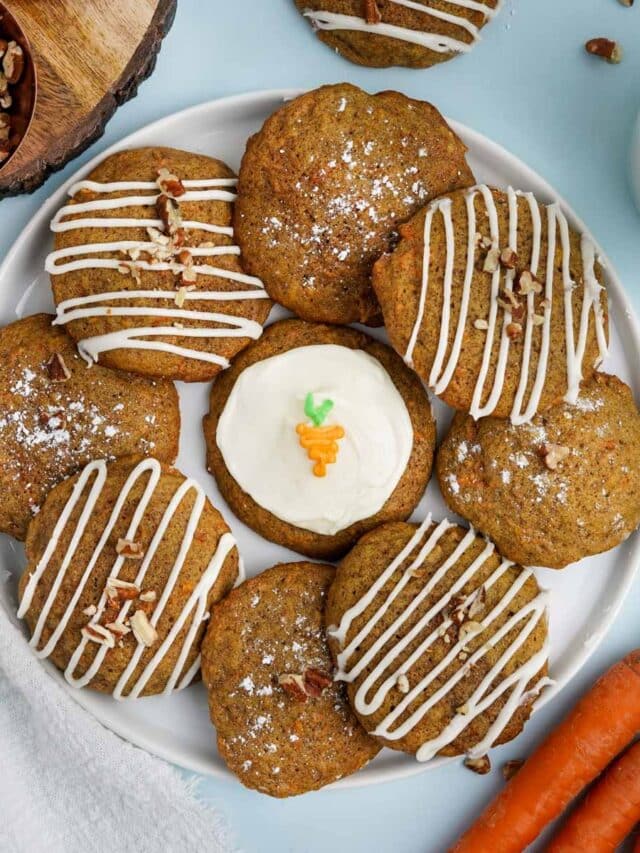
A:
24, 92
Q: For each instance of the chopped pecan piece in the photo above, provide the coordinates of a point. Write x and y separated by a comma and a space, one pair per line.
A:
57, 369
129, 549
169, 183
98, 634
607, 49
480, 765
510, 769
372, 13
554, 454
316, 682
143, 630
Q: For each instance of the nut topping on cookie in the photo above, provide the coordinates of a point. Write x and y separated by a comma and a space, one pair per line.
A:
119, 629
372, 14
526, 282
143, 630
402, 683
554, 454
148, 595
312, 683
492, 260
316, 682
98, 634
514, 331
169, 183
294, 686
129, 549
509, 259
168, 213
57, 369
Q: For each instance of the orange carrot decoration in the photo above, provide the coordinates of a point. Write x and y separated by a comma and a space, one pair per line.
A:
320, 442
609, 811
603, 722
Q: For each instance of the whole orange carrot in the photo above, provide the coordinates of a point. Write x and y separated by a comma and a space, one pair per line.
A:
609, 811
603, 722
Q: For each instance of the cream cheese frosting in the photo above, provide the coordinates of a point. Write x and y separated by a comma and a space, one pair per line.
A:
258, 441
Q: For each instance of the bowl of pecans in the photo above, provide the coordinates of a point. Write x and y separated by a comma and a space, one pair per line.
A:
17, 85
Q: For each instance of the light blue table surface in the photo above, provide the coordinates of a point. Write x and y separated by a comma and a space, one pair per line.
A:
530, 87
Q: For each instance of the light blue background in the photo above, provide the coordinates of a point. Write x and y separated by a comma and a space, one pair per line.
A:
530, 87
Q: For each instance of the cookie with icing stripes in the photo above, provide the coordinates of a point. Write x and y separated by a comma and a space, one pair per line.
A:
413, 33
550, 492
441, 641
317, 434
496, 302
146, 274
284, 727
323, 186
56, 415
125, 561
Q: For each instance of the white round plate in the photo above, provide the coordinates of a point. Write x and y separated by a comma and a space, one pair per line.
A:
177, 727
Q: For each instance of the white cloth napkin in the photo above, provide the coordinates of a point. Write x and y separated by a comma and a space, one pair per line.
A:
68, 785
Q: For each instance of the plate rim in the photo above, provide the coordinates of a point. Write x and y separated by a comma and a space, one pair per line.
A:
615, 287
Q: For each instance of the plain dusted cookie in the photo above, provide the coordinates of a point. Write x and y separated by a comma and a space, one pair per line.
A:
283, 726
56, 415
380, 33
125, 561
167, 248
509, 313
442, 642
325, 183
551, 492
392, 431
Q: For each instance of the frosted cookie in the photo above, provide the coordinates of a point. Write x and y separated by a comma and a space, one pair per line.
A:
283, 726
125, 561
317, 434
441, 641
325, 183
55, 416
563, 487
145, 273
496, 302
414, 33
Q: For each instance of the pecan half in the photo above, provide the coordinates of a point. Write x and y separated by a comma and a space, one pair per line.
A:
316, 682
13, 62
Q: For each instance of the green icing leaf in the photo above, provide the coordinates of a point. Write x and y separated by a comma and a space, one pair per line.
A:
317, 414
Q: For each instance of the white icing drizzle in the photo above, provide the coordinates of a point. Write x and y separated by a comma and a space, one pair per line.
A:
322, 20
439, 379
389, 646
194, 609
84, 256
